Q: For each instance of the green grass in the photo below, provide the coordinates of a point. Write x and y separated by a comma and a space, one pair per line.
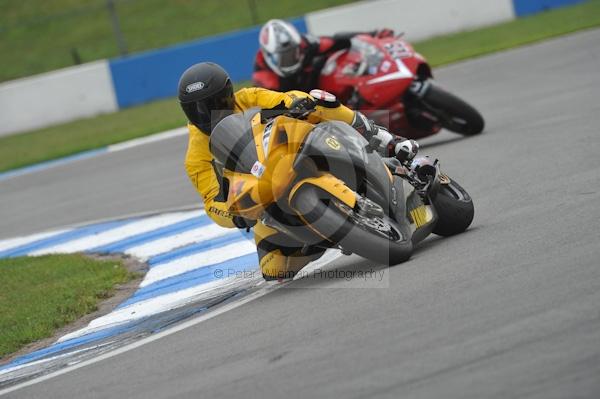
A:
460, 46
41, 35
84, 134
38, 295
54, 142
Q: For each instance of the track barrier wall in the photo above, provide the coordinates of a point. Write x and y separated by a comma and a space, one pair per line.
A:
56, 97
107, 86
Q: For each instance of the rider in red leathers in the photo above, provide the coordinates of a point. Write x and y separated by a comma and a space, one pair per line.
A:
288, 60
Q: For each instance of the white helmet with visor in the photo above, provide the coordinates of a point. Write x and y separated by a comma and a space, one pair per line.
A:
280, 43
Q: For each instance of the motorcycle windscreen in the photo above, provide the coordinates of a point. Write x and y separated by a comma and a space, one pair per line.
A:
368, 58
337, 148
232, 142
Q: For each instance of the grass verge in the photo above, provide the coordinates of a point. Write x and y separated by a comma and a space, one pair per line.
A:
54, 142
84, 134
56, 33
460, 46
41, 294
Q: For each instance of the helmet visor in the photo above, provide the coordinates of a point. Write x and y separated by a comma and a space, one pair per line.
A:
205, 114
288, 60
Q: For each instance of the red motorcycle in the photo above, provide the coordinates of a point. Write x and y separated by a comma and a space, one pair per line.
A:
392, 84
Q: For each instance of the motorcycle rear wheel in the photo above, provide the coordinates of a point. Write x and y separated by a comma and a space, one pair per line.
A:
453, 113
455, 209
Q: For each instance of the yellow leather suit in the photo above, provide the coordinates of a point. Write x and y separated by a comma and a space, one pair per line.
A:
279, 255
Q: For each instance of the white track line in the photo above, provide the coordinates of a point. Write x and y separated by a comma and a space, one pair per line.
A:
49, 359
225, 285
168, 134
94, 153
163, 303
207, 316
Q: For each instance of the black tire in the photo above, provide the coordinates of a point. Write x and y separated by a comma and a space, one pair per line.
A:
455, 210
453, 113
330, 218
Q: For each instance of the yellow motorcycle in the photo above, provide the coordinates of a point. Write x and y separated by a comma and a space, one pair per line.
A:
325, 185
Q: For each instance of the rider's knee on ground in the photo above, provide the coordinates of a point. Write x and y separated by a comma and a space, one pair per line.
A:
275, 265
280, 256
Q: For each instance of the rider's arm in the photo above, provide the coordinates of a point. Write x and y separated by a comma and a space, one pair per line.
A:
323, 111
385, 32
342, 40
266, 99
331, 44
200, 170
251, 97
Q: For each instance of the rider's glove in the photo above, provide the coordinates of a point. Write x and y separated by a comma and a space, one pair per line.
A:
301, 107
373, 133
243, 223
389, 145
404, 149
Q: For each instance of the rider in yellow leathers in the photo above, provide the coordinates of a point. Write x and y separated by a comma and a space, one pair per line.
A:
206, 96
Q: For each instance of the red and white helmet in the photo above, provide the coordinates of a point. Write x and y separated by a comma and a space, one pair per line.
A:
280, 43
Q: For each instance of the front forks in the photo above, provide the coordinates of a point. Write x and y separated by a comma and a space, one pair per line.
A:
419, 88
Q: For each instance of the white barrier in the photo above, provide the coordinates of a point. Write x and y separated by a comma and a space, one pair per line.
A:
418, 19
88, 90
55, 97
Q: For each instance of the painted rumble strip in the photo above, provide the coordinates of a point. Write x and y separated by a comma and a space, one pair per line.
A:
191, 260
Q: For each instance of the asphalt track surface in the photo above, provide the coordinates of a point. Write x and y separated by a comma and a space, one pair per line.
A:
142, 179
509, 309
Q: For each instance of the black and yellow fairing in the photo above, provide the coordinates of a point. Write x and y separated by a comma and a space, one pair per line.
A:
267, 162
242, 142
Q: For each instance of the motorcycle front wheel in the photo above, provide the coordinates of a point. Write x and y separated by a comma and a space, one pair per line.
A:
454, 207
378, 238
452, 113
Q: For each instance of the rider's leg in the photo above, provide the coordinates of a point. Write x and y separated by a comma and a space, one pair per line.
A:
279, 255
